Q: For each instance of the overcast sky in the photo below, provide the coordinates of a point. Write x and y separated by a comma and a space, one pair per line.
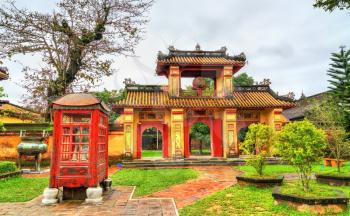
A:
287, 41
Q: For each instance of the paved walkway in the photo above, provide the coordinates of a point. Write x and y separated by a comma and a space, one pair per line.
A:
211, 179
117, 202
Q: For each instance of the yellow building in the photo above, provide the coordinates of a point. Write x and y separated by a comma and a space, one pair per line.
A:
173, 111
12, 113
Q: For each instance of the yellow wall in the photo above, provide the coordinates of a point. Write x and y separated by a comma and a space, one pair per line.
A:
116, 143
8, 119
8, 147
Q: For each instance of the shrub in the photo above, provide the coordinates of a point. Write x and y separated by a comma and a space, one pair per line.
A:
242, 133
7, 166
302, 144
257, 143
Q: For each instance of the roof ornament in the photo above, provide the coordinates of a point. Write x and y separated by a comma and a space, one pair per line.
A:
302, 96
198, 47
265, 82
4, 69
290, 95
171, 48
128, 81
223, 49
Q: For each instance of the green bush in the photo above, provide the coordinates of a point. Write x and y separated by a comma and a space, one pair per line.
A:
302, 145
257, 144
7, 166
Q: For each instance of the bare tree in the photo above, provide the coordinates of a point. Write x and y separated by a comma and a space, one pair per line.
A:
76, 42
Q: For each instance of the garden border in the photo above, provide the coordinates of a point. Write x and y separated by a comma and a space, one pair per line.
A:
260, 182
335, 204
10, 174
333, 180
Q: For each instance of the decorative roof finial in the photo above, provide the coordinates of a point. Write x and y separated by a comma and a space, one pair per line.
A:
171, 48
302, 96
223, 49
198, 48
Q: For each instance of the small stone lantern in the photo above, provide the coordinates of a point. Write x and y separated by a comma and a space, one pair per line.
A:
79, 160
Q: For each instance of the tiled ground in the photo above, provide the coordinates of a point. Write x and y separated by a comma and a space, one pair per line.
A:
211, 179
117, 202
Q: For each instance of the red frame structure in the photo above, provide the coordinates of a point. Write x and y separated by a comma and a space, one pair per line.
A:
215, 126
80, 151
163, 128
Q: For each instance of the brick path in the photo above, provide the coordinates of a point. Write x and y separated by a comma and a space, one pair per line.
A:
117, 202
211, 179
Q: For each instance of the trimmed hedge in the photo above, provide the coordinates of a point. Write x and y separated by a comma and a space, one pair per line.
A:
7, 166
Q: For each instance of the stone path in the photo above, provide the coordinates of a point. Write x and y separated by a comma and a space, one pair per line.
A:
116, 202
211, 179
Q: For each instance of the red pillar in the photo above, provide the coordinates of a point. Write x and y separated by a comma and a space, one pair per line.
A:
139, 142
165, 141
217, 138
187, 140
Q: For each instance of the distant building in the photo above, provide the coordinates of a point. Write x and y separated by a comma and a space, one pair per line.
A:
12, 113
297, 113
173, 113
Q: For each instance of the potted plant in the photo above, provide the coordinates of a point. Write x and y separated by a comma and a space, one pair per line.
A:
256, 145
302, 145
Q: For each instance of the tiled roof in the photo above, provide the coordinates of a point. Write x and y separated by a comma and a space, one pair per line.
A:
251, 99
298, 112
201, 60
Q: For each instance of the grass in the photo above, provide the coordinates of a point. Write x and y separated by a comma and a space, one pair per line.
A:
344, 170
148, 181
277, 169
244, 200
152, 153
269, 170
197, 152
316, 190
19, 189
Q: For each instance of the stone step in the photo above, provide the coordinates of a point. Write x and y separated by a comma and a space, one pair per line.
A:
189, 162
181, 163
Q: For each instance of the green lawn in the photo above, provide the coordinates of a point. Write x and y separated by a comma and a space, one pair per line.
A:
344, 170
244, 200
151, 153
197, 152
19, 189
316, 189
148, 181
280, 169
269, 170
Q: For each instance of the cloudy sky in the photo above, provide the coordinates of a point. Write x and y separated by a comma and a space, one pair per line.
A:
288, 42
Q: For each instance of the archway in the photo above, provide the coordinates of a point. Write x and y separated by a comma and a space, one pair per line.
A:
152, 143
200, 140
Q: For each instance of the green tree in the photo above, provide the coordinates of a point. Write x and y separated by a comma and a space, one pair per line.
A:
76, 41
331, 5
109, 98
201, 132
339, 73
329, 116
2, 92
302, 144
257, 144
242, 80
